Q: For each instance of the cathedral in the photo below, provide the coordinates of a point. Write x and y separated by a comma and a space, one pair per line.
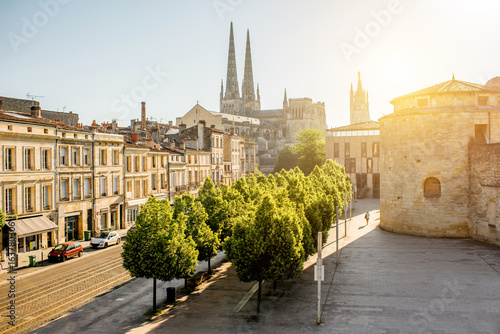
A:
241, 113
296, 114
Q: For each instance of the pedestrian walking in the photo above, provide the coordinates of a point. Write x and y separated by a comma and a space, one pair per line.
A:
367, 217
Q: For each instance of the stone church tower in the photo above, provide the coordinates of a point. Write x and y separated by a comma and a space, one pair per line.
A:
231, 102
360, 112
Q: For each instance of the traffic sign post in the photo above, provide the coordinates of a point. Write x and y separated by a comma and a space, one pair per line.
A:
319, 274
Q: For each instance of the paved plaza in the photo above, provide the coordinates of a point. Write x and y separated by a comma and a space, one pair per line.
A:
384, 283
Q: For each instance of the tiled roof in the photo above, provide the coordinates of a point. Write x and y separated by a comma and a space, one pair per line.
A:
449, 87
371, 125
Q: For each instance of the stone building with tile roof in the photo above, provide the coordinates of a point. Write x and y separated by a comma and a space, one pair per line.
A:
440, 154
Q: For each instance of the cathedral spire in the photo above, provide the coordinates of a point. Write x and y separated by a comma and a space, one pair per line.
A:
232, 87
285, 101
360, 87
222, 89
258, 94
247, 89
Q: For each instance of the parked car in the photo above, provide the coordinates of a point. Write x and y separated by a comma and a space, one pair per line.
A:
65, 250
105, 239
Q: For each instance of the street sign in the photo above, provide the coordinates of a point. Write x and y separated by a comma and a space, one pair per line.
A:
319, 272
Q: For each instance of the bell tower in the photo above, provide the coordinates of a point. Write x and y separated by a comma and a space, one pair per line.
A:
360, 112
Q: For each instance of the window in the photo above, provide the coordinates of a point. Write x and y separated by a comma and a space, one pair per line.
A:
137, 164
137, 189
144, 188
369, 165
116, 157
115, 185
104, 158
153, 162
30, 129
432, 187
75, 155
9, 201
86, 156
153, 181
64, 152
103, 186
363, 150
376, 151
162, 181
423, 102
76, 188
129, 186
347, 150
28, 159
9, 127
28, 199
46, 159
86, 187
46, 197
129, 164
480, 133
144, 164
335, 150
64, 189
9, 159
482, 100
46, 131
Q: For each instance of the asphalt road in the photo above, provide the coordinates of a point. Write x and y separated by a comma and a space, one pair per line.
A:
30, 277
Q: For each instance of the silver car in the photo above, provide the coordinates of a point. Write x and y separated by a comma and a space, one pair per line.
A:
104, 239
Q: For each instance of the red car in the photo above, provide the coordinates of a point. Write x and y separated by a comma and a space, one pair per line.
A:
65, 250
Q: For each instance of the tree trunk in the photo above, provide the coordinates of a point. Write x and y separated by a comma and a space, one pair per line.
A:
154, 295
258, 297
209, 269
274, 287
185, 284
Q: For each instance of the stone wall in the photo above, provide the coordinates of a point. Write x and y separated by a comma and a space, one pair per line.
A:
485, 192
20, 105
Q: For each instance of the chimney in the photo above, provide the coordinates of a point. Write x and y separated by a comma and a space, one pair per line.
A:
183, 145
36, 112
172, 144
134, 137
143, 115
201, 134
169, 122
182, 127
113, 125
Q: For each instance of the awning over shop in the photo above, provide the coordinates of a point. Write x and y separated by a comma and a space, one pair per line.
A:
30, 226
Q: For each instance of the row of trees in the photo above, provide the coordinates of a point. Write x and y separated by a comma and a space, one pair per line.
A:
267, 226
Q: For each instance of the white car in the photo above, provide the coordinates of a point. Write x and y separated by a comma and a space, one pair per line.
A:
104, 239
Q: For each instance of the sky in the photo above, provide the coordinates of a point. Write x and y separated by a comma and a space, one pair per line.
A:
100, 59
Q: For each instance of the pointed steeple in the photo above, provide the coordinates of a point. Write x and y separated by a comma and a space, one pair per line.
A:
285, 100
360, 87
247, 89
222, 89
258, 93
232, 87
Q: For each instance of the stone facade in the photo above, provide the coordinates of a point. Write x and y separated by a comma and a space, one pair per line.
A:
357, 148
484, 214
426, 186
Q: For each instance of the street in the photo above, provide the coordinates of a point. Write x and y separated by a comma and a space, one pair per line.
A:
43, 294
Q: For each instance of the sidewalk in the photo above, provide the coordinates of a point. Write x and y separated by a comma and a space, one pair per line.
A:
385, 283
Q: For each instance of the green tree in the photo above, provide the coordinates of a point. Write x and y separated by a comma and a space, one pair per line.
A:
207, 242
2, 219
310, 149
267, 245
158, 248
287, 159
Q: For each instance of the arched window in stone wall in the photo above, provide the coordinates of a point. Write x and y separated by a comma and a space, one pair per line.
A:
432, 187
